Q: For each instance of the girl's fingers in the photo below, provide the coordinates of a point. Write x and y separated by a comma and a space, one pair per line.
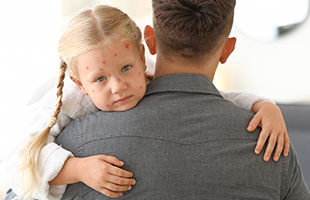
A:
117, 188
112, 160
286, 144
115, 170
271, 144
254, 123
110, 193
120, 172
121, 180
279, 148
261, 141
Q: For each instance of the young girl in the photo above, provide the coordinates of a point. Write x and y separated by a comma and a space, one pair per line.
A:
102, 52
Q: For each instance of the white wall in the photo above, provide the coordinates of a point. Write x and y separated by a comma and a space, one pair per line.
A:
28, 51
279, 70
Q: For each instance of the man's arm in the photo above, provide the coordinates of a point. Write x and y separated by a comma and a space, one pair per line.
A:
293, 184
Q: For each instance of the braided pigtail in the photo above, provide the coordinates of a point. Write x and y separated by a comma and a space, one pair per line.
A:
30, 176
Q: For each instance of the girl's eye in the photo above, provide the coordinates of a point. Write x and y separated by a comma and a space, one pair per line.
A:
126, 68
101, 79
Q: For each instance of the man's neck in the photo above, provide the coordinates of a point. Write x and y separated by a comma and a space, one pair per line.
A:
164, 66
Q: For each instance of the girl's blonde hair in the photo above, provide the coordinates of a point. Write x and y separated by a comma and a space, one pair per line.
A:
88, 30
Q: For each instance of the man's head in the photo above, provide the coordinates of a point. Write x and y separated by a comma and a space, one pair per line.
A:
192, 29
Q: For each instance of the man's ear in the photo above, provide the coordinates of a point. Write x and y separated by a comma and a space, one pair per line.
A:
229, 47
142, 55
149, 37
78, 83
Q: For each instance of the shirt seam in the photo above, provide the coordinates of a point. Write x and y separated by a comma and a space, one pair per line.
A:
179, 143
284, 185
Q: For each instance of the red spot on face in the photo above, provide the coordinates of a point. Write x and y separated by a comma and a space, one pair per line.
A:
139, 73
108, 105
139, 60
116, 106
118, 79
101, 69
103, 62
110, 75
87, 67
127, 46
93, 90
141, 87
115, 54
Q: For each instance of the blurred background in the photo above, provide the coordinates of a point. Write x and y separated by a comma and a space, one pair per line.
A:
271, 57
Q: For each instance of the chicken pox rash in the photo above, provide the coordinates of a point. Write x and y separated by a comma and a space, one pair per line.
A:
87, 67
108, 106
115, 54
103, 62
127, 46
110, 75
141, 87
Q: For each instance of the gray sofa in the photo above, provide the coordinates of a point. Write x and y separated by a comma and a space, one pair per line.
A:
297, 118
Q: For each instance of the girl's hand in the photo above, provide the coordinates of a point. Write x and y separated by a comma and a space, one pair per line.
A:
269, 118
102, 173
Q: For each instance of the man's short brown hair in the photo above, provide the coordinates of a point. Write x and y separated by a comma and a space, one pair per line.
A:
192, 28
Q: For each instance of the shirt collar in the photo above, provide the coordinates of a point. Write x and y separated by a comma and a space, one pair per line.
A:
196, 83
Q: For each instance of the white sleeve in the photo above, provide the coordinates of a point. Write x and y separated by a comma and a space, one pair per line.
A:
243, 99
52, 156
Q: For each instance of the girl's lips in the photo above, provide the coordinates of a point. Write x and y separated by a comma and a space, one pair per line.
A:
124, 99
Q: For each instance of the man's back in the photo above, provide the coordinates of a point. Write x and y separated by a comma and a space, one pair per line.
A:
183, 141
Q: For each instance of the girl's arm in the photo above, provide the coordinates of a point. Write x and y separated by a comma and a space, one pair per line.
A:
100, 172
269, 117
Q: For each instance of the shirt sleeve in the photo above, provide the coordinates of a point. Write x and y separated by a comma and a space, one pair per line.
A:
243, 99
52, 156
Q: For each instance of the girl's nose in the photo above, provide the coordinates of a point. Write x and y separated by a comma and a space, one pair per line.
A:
118, 86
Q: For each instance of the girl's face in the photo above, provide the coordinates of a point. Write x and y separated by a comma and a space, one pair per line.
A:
113, 76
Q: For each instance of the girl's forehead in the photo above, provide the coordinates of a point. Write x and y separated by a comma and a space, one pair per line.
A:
117, 50
116, 46
123, 44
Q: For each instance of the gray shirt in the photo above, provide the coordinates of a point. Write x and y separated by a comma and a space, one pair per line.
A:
184, 141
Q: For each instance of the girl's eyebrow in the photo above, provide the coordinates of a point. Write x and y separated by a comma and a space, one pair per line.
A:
93, 74
124, 60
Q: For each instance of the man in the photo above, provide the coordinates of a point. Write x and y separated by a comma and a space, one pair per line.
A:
183, 140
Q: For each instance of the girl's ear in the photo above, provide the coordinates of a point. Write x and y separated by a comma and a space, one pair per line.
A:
142, 55
229, 47
78, 83
149, 37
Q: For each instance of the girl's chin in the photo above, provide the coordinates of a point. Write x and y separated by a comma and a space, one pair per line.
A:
120, 108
